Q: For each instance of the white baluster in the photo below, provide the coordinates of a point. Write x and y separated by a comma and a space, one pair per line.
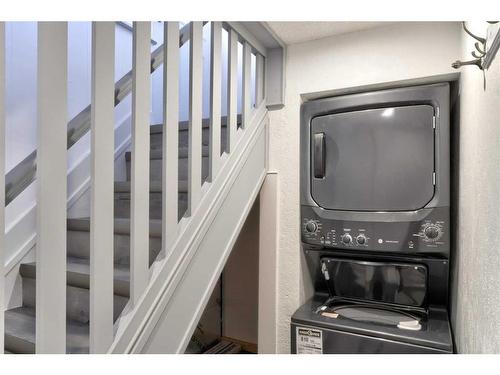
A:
215, 99
139, 208
259, 87
2, 182
195, 116
247, 82
51, 184
170, 146
102, 177
232, 90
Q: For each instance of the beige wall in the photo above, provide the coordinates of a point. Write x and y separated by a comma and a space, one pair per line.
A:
390, 53
476, 294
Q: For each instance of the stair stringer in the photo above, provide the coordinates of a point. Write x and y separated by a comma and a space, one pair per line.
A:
178, 321
166, 315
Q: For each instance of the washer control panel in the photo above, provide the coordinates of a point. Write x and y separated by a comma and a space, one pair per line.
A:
313, 232
427, 235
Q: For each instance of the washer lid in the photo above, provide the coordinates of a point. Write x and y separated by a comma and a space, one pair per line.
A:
385, 282
373, 314
373, 160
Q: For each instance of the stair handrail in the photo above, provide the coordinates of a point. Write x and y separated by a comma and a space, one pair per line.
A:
24, 173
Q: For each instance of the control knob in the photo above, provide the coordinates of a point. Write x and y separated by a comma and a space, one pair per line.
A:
361, 239
346, 239
432, 232
311, 226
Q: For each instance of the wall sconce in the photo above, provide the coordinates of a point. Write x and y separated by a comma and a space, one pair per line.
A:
486, 48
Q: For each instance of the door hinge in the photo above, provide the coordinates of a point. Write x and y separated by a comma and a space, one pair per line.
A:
434, 122
434, 178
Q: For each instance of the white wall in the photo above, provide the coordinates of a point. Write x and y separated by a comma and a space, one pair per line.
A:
476, 294
390, 53
20, 95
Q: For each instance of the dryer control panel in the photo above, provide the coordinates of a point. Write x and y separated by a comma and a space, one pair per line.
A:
428, 232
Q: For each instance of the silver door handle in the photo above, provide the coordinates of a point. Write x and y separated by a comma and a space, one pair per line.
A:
319, 155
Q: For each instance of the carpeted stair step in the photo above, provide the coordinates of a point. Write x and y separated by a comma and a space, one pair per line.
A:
156, 163
78, 239
78, 285
20, 333
122, 199
156, 136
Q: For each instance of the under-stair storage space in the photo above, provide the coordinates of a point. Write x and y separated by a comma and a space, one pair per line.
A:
229, 323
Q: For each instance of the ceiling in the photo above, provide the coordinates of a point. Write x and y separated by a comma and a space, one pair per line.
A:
298, 32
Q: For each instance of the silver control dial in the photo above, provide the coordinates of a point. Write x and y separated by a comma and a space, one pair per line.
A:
346, 239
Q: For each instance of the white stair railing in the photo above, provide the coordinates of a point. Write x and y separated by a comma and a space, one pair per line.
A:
23, 174
102, 186
195, 116
215, 99
232, 90
51, 187
51, 164
247, 100
139, 210
259, 81
170, 135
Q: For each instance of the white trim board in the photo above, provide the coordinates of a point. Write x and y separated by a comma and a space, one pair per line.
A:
268, 268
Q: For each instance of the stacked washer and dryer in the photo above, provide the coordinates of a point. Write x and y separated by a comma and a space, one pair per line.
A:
375, 222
